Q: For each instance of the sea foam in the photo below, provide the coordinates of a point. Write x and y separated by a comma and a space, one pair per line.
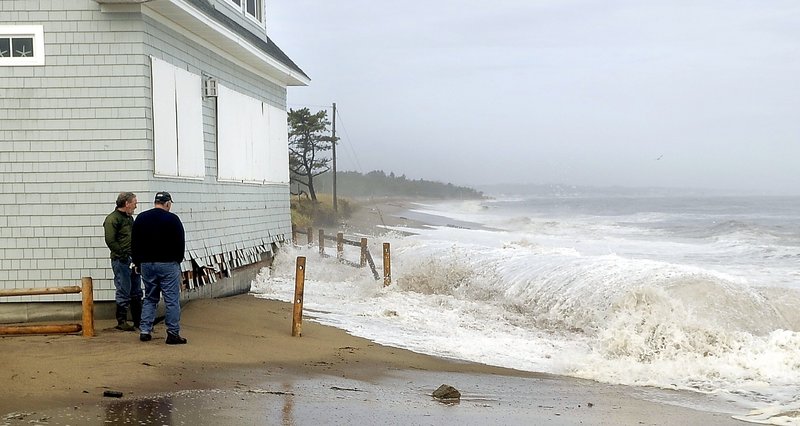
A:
591, 300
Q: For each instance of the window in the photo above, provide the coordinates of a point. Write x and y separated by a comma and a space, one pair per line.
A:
252, 141
21, 45
177, 121
252, 8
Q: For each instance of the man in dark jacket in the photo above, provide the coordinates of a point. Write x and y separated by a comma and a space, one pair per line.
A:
118, 226
158, 246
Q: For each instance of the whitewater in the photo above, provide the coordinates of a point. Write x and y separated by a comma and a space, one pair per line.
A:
698, 294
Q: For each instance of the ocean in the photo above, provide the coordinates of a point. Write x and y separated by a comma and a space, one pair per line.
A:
690, 293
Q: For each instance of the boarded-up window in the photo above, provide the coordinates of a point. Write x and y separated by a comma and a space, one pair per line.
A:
278, 146
177, 121
252, 139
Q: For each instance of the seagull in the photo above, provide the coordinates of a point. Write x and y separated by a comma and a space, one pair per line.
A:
659, 157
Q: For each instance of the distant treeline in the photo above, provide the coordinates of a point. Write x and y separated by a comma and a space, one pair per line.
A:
378, 184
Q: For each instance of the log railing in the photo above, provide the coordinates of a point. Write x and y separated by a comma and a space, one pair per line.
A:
87, 316
365, 259
300, 267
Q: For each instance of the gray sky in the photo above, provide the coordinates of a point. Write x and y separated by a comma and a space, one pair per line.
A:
580, 92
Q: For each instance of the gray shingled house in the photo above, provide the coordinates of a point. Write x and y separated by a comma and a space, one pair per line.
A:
103, 96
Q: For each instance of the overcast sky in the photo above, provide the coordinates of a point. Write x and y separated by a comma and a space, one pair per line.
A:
695, 93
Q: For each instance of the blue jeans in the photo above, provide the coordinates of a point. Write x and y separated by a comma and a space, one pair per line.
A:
127, 282
161, 278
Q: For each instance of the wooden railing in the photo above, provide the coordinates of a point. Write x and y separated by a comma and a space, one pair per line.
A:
87, 304
365, 258
300, 267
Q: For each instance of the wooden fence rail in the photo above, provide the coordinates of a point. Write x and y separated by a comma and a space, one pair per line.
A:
87, 304
366, 257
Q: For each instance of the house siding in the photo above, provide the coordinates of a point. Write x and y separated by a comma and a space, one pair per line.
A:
66, 129
78, 130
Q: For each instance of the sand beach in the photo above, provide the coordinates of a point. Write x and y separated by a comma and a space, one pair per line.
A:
242, 366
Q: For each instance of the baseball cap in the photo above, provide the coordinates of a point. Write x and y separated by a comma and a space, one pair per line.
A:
163, 197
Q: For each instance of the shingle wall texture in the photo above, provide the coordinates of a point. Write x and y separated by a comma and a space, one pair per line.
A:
78, 130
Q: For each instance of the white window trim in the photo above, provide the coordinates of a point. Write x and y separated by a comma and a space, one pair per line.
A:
256, 19
243, 10
35, 31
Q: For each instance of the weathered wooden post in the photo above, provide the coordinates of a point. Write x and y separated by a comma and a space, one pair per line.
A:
322, 241
299, 282
339, 246
294, 235
363, 253
387, 265
87, 302
310, 236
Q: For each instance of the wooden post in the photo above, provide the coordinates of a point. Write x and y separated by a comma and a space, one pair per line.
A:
310, 236
371, 264
299, 282
387, 265
321, 241
294, 235
363, 253
339, 245
87, 303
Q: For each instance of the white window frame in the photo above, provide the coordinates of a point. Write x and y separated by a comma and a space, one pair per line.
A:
178, 142
259, 10
242, 8
33, 31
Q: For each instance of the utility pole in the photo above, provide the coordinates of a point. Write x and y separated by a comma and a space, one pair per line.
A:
335, 204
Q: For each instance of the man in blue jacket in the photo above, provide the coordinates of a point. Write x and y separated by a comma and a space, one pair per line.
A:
158, 247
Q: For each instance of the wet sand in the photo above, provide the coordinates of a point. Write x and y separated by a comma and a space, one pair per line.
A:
242, 366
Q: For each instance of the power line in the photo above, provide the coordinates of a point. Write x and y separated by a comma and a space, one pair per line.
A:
338, 114
325, 107
349, 145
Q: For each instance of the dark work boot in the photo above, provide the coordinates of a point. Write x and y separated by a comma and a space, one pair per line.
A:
136, 312
122, 319
174, 339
